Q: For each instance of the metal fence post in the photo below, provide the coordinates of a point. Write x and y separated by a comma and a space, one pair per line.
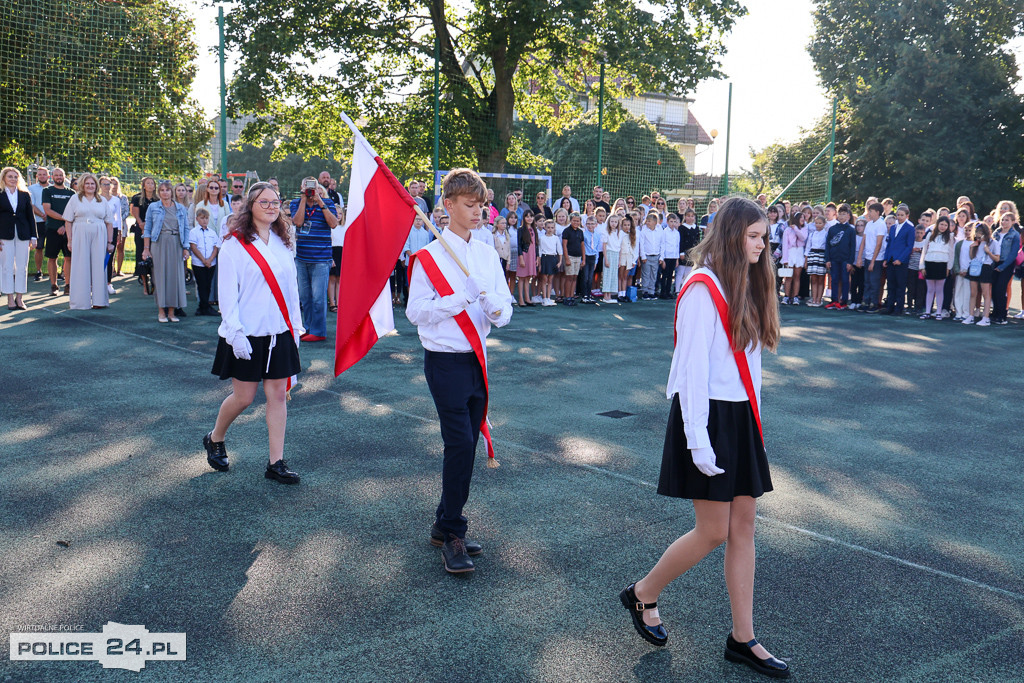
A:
832, 150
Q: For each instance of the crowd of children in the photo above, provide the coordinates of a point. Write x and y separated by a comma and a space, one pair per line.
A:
948, 265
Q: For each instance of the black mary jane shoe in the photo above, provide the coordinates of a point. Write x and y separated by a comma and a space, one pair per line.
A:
736, 651
437, 540
655, 635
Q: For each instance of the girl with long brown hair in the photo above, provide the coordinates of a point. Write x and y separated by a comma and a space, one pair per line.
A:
714, 452
257, 342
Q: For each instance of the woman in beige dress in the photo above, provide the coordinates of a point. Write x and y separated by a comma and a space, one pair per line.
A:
91, 237
166, 241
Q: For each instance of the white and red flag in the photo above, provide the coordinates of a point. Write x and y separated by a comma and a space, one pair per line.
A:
379, 216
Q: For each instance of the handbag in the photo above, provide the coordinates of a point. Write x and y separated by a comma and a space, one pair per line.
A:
785, 272
1020, 258
974, 270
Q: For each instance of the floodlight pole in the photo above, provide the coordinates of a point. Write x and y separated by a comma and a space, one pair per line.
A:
600, 125
832, 149
437, 112
223, 100
728, 134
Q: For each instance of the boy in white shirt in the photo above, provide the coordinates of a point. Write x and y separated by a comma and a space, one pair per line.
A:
204, 243
650, 239
669, 257
453, 314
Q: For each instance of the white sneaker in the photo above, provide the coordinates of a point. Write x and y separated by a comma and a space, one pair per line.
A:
785, 300
538, 299
854, 307
984, 322
110, 289
969, 320
1019, 316
547, 302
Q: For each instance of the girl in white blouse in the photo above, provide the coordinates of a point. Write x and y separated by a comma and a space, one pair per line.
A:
714, 453
612, 247
255, 343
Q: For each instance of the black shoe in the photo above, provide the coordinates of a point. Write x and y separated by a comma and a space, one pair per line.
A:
740, 652
884, 310
216, 454
455, 556
180, 312
437, 540
279, 471
37, 277
60, 277
54, 290
655, 635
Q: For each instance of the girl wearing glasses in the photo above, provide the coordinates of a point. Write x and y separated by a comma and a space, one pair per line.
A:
255, 344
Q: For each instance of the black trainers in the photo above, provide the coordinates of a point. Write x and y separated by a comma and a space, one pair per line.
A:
216, 454
37, 277
437, 540
180, 312
453, 554
60, 277
278, 471
54, 290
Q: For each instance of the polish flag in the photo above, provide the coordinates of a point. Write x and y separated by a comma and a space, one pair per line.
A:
379, 214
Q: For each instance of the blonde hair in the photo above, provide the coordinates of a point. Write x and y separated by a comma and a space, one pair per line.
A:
81, 184
21, 181
202, 212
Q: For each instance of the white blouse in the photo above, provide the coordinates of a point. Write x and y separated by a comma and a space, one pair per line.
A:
703, 365
246, 303
613, 242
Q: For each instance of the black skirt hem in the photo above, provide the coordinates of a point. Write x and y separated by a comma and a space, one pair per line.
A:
283, 359
736, 440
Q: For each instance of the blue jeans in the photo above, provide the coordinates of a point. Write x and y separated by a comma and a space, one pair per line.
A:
840, 282
872, 283
312, 279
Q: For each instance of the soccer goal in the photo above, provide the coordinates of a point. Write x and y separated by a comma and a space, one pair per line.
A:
503, 184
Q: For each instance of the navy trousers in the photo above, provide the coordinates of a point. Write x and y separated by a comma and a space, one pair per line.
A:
456, 382
840, 276
897, 280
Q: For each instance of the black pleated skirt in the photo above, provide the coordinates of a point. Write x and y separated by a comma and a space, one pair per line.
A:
738, 448
283, 359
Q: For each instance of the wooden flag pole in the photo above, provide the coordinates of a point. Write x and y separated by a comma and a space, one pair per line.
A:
437, 236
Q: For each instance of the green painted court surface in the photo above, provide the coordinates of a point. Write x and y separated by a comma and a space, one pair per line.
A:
890, 550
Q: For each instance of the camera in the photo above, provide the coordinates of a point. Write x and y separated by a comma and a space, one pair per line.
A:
309, 188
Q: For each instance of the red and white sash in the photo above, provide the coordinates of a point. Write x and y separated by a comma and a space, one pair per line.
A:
740, 356
275, 288
440, 283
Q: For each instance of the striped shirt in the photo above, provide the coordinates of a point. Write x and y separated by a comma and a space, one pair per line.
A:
313, 239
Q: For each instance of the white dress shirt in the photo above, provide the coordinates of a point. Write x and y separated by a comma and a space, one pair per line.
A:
434, 315
482, 234
12, 197
703, 365
669, 244
246, 303
206, 240
550, 245
650, 241
613, 242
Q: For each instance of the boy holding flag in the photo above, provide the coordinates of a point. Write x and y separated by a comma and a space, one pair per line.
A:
453, 312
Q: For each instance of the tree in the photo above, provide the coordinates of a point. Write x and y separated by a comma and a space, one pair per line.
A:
289, 169
635, 159
102, 86
301, 62
928, 107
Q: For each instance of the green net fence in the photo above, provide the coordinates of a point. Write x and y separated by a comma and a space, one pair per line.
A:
100, 86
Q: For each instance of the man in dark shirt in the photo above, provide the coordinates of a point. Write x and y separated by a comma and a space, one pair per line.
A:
332, 194
599, 199
55, 200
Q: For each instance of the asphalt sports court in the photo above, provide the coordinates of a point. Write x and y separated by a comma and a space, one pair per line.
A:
890, 550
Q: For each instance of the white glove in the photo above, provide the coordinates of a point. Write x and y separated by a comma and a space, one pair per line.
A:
492, 307
704, 459
472, 290
241, 346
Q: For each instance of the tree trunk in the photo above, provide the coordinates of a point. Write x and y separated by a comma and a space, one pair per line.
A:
502, 103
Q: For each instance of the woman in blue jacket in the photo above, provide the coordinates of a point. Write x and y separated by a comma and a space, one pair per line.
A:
1005, 260
165, 240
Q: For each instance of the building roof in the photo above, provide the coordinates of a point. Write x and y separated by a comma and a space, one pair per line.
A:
690, 133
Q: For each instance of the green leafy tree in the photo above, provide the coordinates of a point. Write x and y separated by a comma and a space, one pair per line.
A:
928, 110
100, 85
635, 159
301, 62
289, 169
